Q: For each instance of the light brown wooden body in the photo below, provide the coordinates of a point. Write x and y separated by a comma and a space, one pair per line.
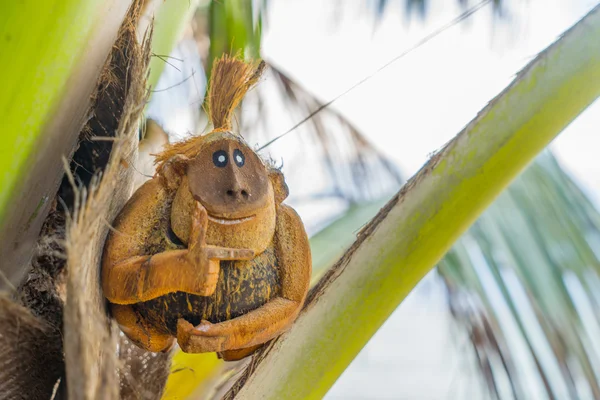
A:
139, 265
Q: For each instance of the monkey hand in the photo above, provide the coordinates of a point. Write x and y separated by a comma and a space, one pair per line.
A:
190, 342
204, 259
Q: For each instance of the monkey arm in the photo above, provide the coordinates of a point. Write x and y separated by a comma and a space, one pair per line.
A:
144, 278
129, 276
273, 318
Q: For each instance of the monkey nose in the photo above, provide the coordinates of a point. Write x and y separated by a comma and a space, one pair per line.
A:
237, 194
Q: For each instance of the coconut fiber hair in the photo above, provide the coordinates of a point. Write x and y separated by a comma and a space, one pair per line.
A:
231, 79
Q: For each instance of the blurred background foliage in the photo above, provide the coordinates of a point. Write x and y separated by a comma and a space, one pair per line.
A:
420, 8
523, 282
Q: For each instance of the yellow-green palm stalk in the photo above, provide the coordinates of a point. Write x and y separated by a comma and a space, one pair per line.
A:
51, 54
42, 46
235, 25
416, 228
51, 58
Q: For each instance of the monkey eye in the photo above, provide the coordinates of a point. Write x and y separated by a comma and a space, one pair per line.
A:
239, 158
220, 158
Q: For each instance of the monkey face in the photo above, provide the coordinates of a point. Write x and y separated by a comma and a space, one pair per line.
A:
237, 190
229, 180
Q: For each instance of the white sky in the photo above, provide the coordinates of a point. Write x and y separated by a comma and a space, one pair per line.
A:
420, 102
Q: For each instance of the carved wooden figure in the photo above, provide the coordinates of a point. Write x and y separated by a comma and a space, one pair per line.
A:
205, 252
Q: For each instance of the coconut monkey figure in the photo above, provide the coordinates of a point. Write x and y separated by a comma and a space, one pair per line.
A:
205, 252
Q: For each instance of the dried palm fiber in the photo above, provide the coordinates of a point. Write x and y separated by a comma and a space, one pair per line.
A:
31, 348
94, 349
30, 355
31, 333
231, 79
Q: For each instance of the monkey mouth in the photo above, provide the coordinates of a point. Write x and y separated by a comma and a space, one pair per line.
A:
229, 221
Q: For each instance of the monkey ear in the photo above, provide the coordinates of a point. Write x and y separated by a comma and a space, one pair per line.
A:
172, 170
280, 188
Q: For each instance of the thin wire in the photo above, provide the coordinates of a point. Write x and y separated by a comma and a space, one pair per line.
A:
175, 85
163, 59
466, 14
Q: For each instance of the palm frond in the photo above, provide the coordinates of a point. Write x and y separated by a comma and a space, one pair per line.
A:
531, 264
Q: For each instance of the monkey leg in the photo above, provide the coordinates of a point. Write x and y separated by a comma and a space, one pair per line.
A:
238, 354
139, 332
